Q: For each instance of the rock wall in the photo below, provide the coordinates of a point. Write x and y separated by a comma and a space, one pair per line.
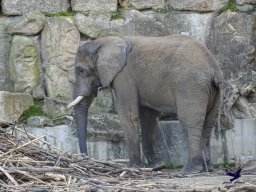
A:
39, 40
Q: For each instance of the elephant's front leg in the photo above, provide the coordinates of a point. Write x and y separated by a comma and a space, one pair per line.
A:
129, 119
128, 111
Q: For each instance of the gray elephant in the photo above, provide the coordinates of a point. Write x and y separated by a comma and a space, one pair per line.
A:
150, 76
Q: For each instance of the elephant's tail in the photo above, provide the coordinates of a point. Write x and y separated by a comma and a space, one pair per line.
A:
219, 83
221, 92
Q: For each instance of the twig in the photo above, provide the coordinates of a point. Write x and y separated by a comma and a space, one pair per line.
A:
41, 170
58, 161
30, 176
21, 146
9, 176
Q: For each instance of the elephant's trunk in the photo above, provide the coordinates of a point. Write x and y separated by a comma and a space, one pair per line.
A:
81, 114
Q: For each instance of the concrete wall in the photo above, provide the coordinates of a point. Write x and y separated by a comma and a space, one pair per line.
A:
242, 140
172, 148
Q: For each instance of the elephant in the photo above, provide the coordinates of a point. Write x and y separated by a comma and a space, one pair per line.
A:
151, 76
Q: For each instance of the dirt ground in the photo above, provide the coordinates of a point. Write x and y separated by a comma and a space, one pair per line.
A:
175, 182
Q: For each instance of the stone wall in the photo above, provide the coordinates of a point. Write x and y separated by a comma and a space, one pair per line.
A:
39, 40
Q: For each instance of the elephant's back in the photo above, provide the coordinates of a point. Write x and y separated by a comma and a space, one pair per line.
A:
174, 53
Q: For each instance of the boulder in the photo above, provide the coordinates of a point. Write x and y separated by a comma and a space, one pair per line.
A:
146, 24
24, 63
31, 23
142, 4
58, 84
12, 105
137, 23
19, 7
93, 26
38, 92
94, 6
158, 24
64, 120
194, 24
232, 41
245, 8
197, 5
242, 2
5, 43
39, 121
104, 102
55, 108
59, 43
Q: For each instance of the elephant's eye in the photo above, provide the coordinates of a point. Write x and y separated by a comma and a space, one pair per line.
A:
80, 70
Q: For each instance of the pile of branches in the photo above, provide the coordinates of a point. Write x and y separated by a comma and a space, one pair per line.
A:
27, 165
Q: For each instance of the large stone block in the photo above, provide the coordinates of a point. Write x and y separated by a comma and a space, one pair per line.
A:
137, 23
242, 2
55, 108
232, 41
5, 42
25, 63
194, 24
31, 23
19, 7
59, 42
148, 24
12, 105
197, 5
93, 26
94, 6
142, 4
104, 102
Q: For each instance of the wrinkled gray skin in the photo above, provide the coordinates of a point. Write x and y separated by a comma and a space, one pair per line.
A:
150, 76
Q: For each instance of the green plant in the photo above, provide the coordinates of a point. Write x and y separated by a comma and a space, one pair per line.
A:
225, 165
231, 6
172, 166
34, 110
60, 14
116, 15
254, 8
166, 9
168, 166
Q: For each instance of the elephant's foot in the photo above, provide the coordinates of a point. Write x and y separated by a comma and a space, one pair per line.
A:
193, 166
136, 164
158, 165
209, 167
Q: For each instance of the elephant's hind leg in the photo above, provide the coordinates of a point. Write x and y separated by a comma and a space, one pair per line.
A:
149, 125
191, 114
210, 120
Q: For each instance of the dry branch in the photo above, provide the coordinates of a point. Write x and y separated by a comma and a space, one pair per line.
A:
25, 165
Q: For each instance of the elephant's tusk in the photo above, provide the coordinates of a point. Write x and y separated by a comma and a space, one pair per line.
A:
75, 102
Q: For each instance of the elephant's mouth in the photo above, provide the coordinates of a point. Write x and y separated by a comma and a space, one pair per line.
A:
75, 102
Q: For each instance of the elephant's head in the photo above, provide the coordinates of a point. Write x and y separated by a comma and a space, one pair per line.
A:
97, 63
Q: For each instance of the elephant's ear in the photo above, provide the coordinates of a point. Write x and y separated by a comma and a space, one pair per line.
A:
111, 59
